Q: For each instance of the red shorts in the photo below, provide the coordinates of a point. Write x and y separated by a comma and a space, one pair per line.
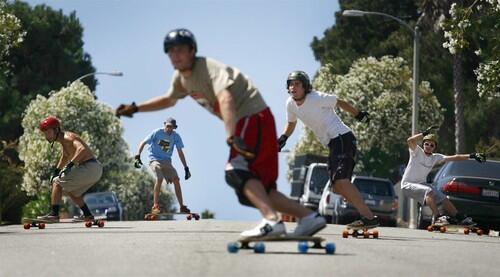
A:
258, 131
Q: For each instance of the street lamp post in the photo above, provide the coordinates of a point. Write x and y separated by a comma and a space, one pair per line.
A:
416, 55
118, 74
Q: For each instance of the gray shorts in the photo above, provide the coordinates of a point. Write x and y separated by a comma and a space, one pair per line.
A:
164, 170
81, 177
419, 192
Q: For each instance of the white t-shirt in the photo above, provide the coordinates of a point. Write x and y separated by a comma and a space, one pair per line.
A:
420, 165
318, 114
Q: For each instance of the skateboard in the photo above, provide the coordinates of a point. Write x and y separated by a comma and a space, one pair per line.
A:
97, 221
40, 223
258, 245
35, 222
189, 216
453, 228
360, 231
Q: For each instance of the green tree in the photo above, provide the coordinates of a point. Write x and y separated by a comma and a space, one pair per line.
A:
50, 55
383, 88
11, 32
97, 125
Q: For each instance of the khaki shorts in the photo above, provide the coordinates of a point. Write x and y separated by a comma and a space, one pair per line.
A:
81, 177
419, 192
164, 170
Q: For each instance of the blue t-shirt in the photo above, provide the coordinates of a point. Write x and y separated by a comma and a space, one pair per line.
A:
160, 145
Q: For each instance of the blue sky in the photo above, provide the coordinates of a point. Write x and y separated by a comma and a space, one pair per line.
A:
265, 39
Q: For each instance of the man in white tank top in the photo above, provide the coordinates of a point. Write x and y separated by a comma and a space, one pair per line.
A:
414, 185
316, 111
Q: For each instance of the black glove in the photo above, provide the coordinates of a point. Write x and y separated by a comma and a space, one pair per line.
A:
55, 173
281, 142
138, 162
429, 130
479, 157
239, 145
188, 174
126, 110
363, 116
67, 169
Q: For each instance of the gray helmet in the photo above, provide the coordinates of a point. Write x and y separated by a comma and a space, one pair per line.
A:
171, 121
179, 37
300, 76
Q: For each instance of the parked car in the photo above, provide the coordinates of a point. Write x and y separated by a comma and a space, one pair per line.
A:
104, 204
474, 189
378, 194
309, 177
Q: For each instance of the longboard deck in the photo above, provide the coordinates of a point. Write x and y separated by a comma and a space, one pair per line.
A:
361, 232
40, 223
189, 216
257, 244
454, 228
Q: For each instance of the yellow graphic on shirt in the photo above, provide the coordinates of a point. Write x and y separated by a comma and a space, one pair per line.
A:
164, 144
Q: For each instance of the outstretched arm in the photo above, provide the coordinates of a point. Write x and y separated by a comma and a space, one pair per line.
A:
182, 157
228, 111
157, 103
289, 127
413, 141
346, 106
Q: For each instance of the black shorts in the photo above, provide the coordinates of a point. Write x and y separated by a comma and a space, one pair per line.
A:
341, 158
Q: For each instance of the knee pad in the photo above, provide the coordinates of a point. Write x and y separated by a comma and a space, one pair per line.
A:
237, 179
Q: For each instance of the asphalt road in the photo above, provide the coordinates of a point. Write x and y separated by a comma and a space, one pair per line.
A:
199, 248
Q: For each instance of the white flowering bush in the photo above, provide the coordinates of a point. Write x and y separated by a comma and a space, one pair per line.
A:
463, 24
11, 33
97, 125
488, 78
383, 89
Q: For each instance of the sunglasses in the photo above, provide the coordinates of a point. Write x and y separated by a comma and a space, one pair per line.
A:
430, 144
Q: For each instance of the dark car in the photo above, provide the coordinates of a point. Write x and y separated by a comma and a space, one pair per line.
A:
378, 194
104, 204
474, 189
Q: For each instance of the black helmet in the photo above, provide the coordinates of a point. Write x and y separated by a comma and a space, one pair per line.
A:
301, 76
178, 37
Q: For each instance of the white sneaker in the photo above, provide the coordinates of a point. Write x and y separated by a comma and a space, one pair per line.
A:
266, 228
442, 220
310, 226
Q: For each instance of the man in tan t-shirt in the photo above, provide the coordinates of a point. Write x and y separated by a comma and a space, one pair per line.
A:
76, 171
252, 168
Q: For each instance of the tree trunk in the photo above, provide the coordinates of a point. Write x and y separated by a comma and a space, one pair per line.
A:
458, 89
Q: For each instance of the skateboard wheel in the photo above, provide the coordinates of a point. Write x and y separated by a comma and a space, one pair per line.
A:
479, 232
153, 217
232, 247
41, 225
88, 224
196, 217
259, 248
303, 247
330, 248
27, 226
100, 223
442, 229
189, 217
345, 234
430, 228
146, 217
375, 234
466, 231
366, 234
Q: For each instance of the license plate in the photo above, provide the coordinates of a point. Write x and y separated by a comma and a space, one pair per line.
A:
370, 202
490, 193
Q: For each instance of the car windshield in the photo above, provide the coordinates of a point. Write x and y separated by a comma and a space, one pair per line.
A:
472, 168
319, 177
374, 187
99, 199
